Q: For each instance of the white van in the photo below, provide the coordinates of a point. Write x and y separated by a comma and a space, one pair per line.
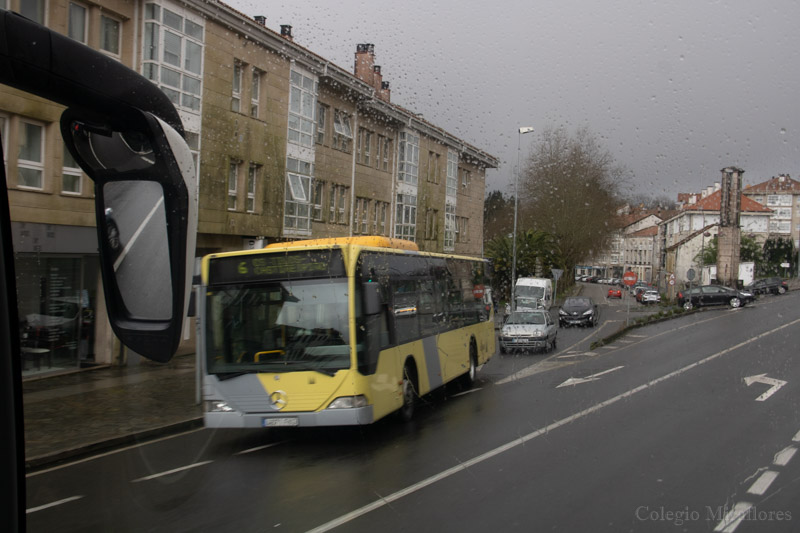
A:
533, 293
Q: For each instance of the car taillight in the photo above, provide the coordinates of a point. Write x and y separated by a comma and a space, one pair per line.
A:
680, 295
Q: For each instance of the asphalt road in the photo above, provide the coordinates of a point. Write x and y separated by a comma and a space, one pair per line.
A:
686, 425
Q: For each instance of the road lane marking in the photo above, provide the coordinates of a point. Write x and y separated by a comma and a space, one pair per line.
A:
734, 517
593, 377
258, 448
730, 518
52, 504
796, 437
170, 472
762, 483
762, 378
783, 457
138, 232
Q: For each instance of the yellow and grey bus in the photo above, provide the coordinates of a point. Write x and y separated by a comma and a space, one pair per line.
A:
337, 331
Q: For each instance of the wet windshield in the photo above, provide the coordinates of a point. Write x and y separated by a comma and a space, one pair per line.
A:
278, 327
527, 291
526, 318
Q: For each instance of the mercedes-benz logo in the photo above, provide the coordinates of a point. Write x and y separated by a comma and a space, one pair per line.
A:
278, 399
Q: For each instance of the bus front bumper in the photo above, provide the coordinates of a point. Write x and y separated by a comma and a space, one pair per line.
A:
328, 417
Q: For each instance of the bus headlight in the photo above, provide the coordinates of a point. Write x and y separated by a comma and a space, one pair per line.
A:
218, 406
348, 402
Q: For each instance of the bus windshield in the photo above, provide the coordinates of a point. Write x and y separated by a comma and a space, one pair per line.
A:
280, 326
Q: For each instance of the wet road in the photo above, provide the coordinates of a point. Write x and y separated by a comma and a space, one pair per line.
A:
661, 429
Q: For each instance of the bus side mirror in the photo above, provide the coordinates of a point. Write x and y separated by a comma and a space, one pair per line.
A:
146, 209
372, 298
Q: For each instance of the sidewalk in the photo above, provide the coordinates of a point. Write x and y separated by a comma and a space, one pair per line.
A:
74, 415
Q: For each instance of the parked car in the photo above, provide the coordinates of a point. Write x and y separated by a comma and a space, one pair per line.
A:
714, 295
527, 330
773, 285
615, 293
578, 311
649, 297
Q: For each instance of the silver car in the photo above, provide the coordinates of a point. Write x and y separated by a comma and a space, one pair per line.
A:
528, 330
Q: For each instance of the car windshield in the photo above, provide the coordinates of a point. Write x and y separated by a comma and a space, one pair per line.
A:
526, 318
641, 157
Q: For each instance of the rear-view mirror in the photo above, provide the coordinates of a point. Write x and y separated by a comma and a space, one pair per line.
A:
145, 191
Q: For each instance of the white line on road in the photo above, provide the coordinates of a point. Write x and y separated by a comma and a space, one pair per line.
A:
593, 377
258, 448
173, 471
783, 457
796, 437
461, 467
762, 483
470, 391
135, 236
52, 504
734, 516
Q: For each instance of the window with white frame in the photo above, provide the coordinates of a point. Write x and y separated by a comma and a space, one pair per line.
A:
452, 174
255, 92
322, 112
338, 203
33, 9
110, 34
233, 185
406, 217
431, 224
779, 199
342, 133
364, 146
77, 23
379, 218
780, 226
30, 159
173, 54
361, 222
387, 154
302, 107
70, 174
252, 183
317, 191
433, 167
466, 178
297, 197
449, 227
236, 87
408, 171
782, 212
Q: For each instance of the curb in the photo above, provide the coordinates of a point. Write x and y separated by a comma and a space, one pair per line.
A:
42, 462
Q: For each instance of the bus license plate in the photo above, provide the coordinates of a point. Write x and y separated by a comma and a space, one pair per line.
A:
279, 422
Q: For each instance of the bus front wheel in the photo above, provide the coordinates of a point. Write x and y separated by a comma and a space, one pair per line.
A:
409, 393
469, 377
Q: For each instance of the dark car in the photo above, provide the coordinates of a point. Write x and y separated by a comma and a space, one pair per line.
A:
768, 285
714, 295
578, 311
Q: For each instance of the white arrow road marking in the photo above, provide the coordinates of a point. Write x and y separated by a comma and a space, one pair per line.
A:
762, 378
593, 377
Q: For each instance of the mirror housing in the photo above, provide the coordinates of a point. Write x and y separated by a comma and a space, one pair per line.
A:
146, 208
372, 298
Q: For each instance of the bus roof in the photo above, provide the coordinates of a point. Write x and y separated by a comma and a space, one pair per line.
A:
366, 240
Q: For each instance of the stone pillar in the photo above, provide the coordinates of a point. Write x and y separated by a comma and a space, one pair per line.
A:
729, 237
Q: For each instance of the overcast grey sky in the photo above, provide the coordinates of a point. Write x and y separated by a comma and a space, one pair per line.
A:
676, 90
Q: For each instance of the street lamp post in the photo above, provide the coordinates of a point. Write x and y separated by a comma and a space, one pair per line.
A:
523, 130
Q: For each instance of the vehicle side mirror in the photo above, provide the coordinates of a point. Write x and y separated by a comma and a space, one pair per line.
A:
372, 298
146, 207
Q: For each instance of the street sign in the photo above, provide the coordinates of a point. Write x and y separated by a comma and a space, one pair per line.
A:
671, 280
556, 273
690, 274
629, 278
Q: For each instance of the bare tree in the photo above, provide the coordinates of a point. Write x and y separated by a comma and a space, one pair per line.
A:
570, 188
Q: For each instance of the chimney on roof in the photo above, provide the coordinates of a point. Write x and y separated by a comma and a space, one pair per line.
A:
782, 178
367, 71
260, 19
286, 32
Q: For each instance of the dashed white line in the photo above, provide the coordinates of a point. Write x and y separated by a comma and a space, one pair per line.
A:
52, 504
762, 483
170, 472
258, 448
783, 457
731, 520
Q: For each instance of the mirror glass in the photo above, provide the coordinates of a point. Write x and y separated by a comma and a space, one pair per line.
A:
135, 229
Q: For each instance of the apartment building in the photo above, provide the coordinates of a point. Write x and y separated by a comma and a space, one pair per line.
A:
782, 195
287, 145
